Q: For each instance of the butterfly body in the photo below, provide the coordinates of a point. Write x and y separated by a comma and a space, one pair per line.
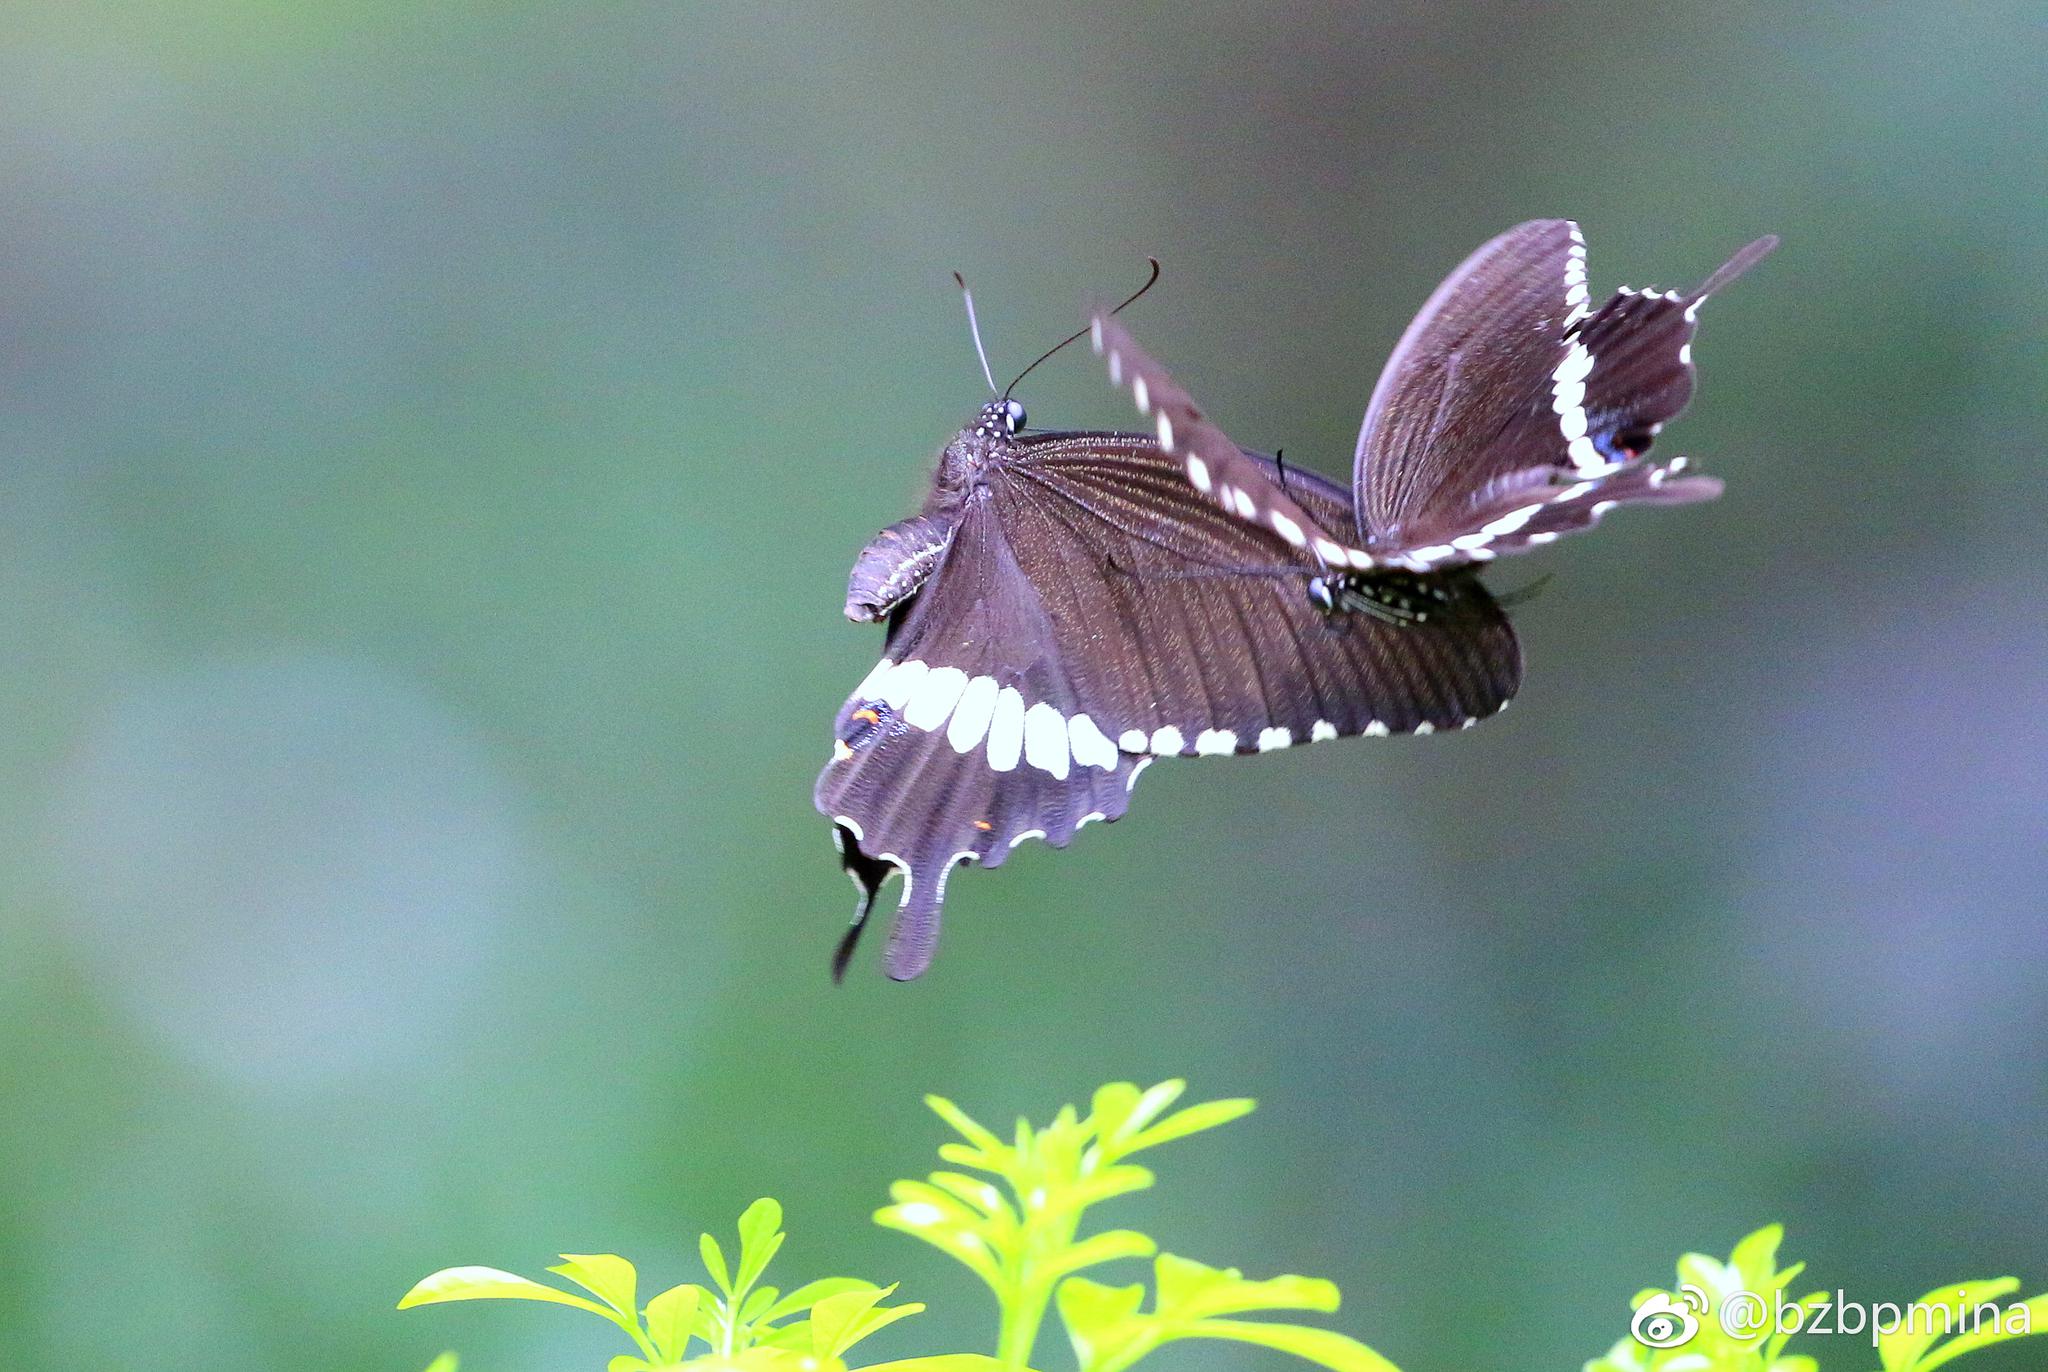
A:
1069, 606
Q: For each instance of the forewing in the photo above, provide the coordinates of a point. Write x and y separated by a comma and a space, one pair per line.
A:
1199, 634
1221, 473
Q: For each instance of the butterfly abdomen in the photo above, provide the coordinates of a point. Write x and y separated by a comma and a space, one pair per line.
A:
894, 564
1405, 597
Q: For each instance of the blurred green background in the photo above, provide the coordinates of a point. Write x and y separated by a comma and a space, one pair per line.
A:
435, 436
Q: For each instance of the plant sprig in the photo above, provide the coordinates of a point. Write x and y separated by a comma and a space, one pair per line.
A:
1023, 1238
741, 1323
1914, 1345
1017, 1226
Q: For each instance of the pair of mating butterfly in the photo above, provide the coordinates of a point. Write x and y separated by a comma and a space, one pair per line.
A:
1069, 606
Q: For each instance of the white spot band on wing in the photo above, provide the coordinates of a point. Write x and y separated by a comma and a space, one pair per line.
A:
1045, 740
1006, 731
971, 716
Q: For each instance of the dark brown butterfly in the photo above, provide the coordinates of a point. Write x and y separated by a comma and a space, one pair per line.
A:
1068, 606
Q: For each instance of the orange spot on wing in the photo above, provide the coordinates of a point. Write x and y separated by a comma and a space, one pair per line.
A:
983, 825
869, 715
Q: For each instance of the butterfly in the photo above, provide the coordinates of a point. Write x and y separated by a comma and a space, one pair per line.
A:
1068, 606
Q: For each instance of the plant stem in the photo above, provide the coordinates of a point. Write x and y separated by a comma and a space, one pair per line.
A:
631, 1325
1017, 1334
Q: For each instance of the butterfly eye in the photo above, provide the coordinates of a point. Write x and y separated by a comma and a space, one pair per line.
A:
1013, 415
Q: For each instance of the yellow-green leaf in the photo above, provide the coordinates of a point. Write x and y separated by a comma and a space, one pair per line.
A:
1111, 1108
881, 1318
447, 1362
1944, 1311
1101, 1320
606, 1276
1756, 1257
714, 1262
810, 1293
1193, 1290
1107, 1246
760, 1235
835, 1316
2032, 1314
965, 1126
1192, 1120
670, 1317
490, 1284
1325, 1347
944, 1362
1155, 1099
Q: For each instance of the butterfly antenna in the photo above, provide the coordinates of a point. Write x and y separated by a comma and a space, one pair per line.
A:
974, 327
1736, 266
1150, 281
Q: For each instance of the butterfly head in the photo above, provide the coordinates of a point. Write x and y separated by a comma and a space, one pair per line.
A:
1001, 418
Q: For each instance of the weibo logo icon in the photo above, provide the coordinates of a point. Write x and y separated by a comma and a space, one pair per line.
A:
1667, 1321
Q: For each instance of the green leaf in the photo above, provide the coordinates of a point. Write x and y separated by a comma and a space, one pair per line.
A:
947, 1227
1092, 1311
1756, 1257
973, 1191
1324, 1347
1192, 1290
961, 1155
2033, 1314
1107, 1246
1192, 1120
626, 1362
1902, 1347
714, 1262
447, 1362
1117, 1180
796, 1334
920, 1205
1091, 1305
839, 1322
488, 1284
1111, 1108
944, 1362
606, 1276
760, 1235
671, 1316
1148, 1106
1103, 1322
810, 1293
965, 1126
759, 1302
882, 1317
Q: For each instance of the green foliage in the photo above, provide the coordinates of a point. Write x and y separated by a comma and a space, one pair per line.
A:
1736, 1306
1013, 1217
741, 1323
1021, 1234
1110, 1331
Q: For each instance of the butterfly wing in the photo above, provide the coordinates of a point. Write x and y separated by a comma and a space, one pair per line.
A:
1511, 412
1221, 473
1092, 612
